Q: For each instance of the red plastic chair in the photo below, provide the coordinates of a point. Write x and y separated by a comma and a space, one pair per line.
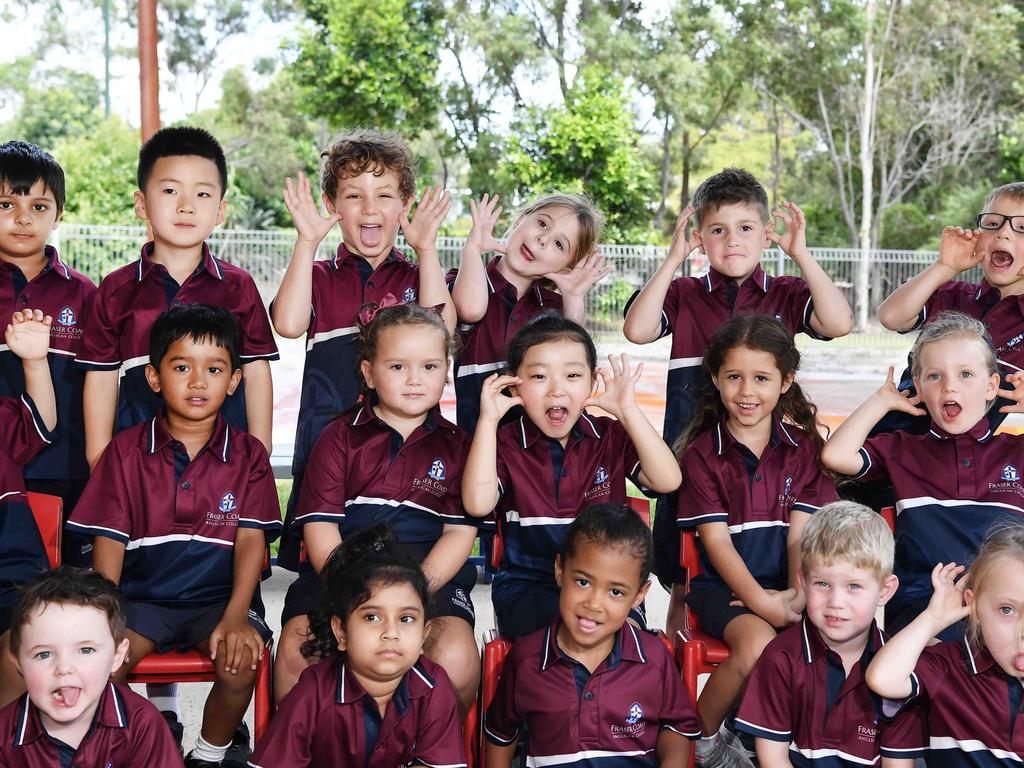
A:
494, 655
47, 511
889, 515
642, 507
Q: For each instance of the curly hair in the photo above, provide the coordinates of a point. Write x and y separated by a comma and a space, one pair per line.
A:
365, 150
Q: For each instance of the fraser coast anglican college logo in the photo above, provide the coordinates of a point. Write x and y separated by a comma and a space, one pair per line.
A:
602, 485
1010, 473
226, 512
1009, 482
436, 470
433, 483
67, 316
633, 725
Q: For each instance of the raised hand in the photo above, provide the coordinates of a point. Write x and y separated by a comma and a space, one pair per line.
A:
493, 404
485, 216
28, 334
619, 392
310, 224
683, 242
957, 249
794, 239
896, 400
1015, 380
946, 606
575, 282
421, 232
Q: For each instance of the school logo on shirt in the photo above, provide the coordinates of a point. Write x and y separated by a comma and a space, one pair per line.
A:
634, 726
226, 512
602, 485
433, 483
636, 713
601, 476
1015, 340
409, 294
1010, 473
227, 502
787, 499
437, 470
67, 316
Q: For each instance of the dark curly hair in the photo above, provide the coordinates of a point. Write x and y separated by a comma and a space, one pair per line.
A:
611, 525
730, 186
364, 149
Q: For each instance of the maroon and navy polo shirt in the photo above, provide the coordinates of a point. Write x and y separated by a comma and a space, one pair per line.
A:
696, 307
609, 718
64, 294
799, 694
177, 518
127, 731
972, 705
328, 719
724, 482
950, 491
131, 298
484, 344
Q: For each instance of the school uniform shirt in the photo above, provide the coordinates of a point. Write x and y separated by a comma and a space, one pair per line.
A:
127, 732
484, 344
328, 719
973, 708
609, 718
177, 518
950, 491
131, 298
799, 694
64, 294
724, 482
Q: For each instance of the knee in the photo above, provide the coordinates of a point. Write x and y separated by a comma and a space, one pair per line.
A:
289, 650
455, 649
240, 682
750, 649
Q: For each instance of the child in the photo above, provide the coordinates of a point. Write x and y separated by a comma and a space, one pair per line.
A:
540, 470
182, 180
997, 246
393, 459
951, 484
733, 226
751, 480
591, 686
28, 424
970, 688
182, 508
68, 636
807, 702
552, 244
367, 182
372, 699
32, 274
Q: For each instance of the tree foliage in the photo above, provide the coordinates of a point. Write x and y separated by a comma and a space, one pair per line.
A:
99, 168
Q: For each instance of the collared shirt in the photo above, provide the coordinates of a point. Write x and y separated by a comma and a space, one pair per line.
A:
950, 492
973, 707
330, 376
543, 487
64, 294
723, 482
609, 718
131, 298
177, 518
696, 307
799, 693
484, 343
127, 732
329, 720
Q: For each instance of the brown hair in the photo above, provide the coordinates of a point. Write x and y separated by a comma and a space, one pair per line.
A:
1014, 191
1007, 541
365, 149
588, 217
389, 317
730, 186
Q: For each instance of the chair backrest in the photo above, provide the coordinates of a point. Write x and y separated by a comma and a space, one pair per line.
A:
494, 657
47, 511
889, 515
689, 558
642, 507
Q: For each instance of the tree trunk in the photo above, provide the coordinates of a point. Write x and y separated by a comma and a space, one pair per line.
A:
866, 169
776, 154
666, 171
684, 192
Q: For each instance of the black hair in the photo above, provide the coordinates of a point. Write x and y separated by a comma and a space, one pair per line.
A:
177, 141
611, 525
729, 186
199, 322
67, 585
23, 164
365, 560
546, 327
382, 318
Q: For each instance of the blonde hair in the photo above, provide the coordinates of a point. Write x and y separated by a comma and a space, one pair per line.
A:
846, 530
948, 325
588, 217
1006, 541
1014, 191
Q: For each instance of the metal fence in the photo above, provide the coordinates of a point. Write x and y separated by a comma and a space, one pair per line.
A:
97, 250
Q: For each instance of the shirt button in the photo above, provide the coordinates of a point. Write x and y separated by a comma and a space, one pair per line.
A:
565, 472
186, 485
23, 299
757, 476
177, 302
589, 695
967, 462
370, 283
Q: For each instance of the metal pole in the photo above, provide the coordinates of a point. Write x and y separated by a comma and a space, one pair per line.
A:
149, 83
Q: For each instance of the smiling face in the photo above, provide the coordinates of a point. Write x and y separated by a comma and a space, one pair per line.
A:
557, 381
733, 238
542, 242
194, 378
842, 599
997, 608
750, 384
1002, 249
183, 201
954, 382
408, 371
26, 221
371, 208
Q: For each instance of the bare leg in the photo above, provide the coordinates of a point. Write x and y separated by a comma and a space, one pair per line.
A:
452, 645
11, 683
229, 697
289, 661
139, 647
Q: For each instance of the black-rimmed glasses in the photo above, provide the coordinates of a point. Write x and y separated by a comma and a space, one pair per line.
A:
995, 221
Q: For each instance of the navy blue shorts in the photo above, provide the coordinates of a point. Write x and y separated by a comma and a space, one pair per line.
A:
710, 604
667, 542
183, 628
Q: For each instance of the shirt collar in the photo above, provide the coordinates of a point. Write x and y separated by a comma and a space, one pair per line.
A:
343, 253
364, 414
723, 438
53, 262
111, 712
219, 444
585, 426
714, 279
814, 647
415, 683
976, 657
980, 432
146, 264
627, 647
496, 281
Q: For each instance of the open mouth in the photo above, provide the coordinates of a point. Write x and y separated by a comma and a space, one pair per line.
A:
526, 253
1000, 259
587, 625
950, 410
67, 696
370, 234
747, 408
557, 416
1018, 662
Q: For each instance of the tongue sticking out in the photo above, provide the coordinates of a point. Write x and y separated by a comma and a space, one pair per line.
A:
557, 416
1018, 662
370, 235
67, 697
1000, 259
951, 410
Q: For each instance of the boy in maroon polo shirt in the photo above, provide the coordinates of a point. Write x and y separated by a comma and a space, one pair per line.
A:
182, 508
592, 684
807, 702
68, 636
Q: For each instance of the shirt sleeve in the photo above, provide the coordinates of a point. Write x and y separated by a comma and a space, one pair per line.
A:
931, 672
951, 295
452, 510
257, 338
766, 711
101, 349
104, 508
906, 735
288, 740
818, 488
677, 713
502, 720
874, 453
26, 435
799, 307
262, 510
323, 495
152, 743
699, 498
439, 731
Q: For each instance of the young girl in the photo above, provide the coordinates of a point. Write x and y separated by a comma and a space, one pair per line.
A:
951, 484
393, 459
970, 688
372, 699
552, 244
540, 470
751, 480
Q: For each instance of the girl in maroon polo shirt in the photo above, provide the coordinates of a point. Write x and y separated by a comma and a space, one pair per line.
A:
372, 699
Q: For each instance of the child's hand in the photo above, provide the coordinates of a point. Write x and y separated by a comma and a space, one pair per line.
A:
577, 281
28, 334
956, 249
896, 400
485, 217
778, 607
946, 606
421, 232
682, 246
237, 634
1016, 380
309, 224
493, 404
794, 240
619, 387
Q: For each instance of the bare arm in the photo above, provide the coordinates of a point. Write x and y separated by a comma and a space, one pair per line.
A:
470, 290
320, 539
673, 749
480, 475
100, 405
448, 555
108, 558
421, 235
499, 756
259, 401
797, 521
28, 337
773, 754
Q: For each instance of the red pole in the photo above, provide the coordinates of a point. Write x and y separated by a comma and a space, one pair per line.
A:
149, 82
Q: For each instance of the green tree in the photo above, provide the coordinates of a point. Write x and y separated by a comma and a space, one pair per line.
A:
100, 171
50, 105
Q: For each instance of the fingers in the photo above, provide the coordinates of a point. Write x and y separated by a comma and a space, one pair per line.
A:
497, 382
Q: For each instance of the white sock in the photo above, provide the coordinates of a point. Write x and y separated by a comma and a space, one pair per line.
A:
206, 751
164, 697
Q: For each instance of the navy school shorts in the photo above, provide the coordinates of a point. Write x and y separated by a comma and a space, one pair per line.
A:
183, 628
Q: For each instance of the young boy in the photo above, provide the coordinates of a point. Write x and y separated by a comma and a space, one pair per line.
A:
592, 684
32, 275
182, 508
367, 182
68, 636
733, 226
807, 702
182, 179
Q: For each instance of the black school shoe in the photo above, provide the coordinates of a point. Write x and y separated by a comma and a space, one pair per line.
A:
177, 729
195, 762
238, 753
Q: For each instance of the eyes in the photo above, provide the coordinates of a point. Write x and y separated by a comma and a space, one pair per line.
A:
376, 618
720, 230
185, 368
544, 225
173, 191
403, 366
1006, 610
585, 584
7, 205
760, 377
543, 377
853, 586
935, 376
85, 650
